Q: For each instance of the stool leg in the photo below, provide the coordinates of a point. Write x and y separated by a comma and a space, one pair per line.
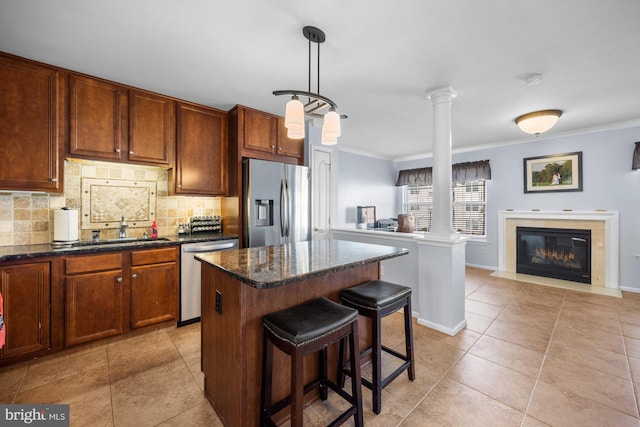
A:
341, 358
377, 363
408, 339
356, 388
297, 387
267, 378
322, 357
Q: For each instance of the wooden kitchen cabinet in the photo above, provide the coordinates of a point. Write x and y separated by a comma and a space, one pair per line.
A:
111, 293
32, 125
152, 128
111, 122
154, 290
201, 151
98, 118
26, 291
94, 287
261, 135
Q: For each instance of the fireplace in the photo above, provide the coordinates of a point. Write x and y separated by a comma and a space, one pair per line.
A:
558, 253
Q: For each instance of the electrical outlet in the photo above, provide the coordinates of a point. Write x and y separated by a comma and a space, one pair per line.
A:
218, 301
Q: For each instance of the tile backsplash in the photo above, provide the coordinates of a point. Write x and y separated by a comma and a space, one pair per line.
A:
27, 218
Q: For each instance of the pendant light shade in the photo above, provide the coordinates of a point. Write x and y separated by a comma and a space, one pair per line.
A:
316, 105
331, 126
326, 140
294, 118
538, 122
295, 133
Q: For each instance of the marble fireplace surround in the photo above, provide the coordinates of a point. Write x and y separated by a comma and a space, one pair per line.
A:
604, 226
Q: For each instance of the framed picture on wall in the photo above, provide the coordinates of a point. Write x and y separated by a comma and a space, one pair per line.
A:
556, 172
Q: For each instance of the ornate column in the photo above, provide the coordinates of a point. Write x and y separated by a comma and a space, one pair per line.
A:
442, 203
441, 253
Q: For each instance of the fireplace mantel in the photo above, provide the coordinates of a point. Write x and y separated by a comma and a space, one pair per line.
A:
605, 240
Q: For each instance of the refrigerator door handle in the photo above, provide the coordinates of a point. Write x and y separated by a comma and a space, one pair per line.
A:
283, 208
288, 209
288, 191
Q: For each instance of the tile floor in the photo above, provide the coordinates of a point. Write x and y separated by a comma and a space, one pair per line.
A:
530, 356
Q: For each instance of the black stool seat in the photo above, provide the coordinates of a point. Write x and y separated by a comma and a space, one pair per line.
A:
375, 300
304, 329
307, 322
375, 295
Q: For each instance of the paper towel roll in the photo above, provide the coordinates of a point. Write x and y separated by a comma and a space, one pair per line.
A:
65, 225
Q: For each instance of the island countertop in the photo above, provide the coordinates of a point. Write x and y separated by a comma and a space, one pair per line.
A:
273, 266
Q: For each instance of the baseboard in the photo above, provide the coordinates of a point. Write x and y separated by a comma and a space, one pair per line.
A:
438, 327
483, 267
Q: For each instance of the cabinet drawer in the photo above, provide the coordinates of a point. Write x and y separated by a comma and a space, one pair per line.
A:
154, 256
92, 263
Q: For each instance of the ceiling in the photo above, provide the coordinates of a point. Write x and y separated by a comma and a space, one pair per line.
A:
379, 60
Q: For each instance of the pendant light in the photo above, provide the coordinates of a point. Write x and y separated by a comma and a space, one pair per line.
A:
317, 106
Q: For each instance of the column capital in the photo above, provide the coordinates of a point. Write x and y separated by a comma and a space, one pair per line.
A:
441, 94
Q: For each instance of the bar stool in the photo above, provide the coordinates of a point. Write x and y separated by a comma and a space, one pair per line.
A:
375, 300
301, 330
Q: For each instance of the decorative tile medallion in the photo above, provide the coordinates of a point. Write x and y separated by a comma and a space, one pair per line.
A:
106, 201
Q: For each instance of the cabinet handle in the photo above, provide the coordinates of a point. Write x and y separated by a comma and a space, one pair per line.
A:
54, 179
273, 146
131, 153
119, 279
179, 185
280, 148
117, 150
134, 276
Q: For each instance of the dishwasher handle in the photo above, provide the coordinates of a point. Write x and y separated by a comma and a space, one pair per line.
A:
209, 247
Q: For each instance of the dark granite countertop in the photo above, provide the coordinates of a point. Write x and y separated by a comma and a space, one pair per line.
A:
271, 266
11, 253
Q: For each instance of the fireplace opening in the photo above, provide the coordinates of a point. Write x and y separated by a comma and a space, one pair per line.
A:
554, 252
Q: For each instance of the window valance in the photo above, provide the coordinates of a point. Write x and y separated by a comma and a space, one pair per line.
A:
421, 176
460, 172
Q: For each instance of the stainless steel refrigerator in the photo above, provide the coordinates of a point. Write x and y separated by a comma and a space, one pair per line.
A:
276, 203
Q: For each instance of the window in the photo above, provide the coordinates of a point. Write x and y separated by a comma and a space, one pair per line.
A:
469, 206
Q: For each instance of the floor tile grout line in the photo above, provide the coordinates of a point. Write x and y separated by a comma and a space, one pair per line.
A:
544, 359
113, 415
22, 380
448, 371
626, 354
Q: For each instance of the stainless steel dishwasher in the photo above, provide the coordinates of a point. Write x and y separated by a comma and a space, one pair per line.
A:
190, 277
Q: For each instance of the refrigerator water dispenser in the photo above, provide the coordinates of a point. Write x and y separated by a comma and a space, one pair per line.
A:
264, 213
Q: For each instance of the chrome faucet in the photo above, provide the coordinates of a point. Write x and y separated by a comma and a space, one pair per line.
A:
123, 228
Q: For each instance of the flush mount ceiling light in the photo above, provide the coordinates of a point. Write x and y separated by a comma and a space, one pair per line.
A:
316, 106
538, 121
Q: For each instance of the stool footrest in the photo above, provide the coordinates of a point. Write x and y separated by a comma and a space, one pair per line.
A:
280, 405
392, 376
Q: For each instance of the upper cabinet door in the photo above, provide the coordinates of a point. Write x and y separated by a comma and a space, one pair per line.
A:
98, 118
201, 151
32, 125
259, 131
151, 128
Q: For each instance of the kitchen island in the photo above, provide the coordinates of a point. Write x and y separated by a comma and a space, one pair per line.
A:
240, 286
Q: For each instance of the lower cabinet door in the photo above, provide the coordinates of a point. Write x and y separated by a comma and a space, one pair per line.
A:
25, 292
154, 294
94, 304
